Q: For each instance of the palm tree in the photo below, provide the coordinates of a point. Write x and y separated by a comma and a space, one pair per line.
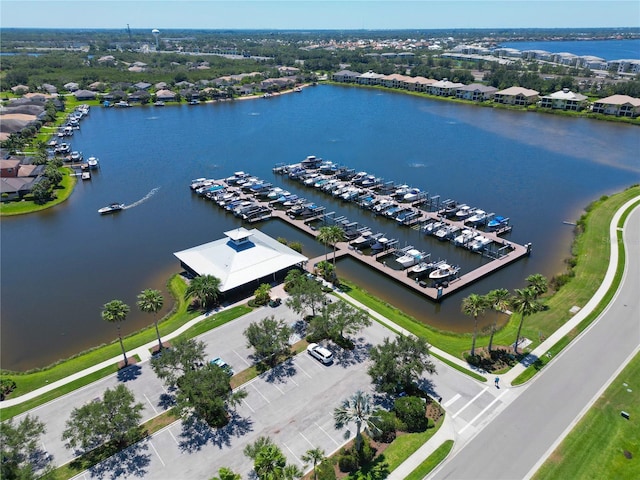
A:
324, 235
525, 303
292, 472
315, 456
205, 288
227, 474
538, 283
474, 305
270, 463
151, 301
331, 234
358, 409
116, 312
498, 300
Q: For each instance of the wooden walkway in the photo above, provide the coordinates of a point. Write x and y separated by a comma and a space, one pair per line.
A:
510, 253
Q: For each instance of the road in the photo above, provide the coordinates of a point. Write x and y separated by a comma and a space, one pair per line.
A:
513, 444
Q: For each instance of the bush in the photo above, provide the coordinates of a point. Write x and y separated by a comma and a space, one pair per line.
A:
6, 387
348, 461
325, 471
387, 425
412, 411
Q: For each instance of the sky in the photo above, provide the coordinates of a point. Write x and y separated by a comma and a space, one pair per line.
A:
318, 14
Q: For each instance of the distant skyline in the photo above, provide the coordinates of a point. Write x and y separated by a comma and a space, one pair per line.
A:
318, 14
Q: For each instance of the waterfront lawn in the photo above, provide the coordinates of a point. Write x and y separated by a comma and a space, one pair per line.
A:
181, 314
603, 444
592, 250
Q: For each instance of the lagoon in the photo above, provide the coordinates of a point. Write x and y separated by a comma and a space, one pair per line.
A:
60, 266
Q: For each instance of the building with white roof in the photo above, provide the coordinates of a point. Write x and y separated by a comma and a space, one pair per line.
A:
244, 258
565, 99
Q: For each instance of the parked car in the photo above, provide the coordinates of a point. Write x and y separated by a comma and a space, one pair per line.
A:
275, 301
320, 353
223, 365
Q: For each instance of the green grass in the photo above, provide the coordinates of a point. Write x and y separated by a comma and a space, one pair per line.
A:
592, 250
27, 205
596, 447
406, 445
181, 314
432, 461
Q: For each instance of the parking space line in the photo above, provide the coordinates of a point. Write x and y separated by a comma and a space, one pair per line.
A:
469, 403
307, 440
451, 400
154, 449
278, 388
242, 358
174, 438
154, 408
296, 457
245, 402
325, 432
303, 370
483, 411
260, 393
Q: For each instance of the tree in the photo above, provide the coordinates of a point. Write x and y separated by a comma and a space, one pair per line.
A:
358, 409
398, 365
41, 191
225, 473
336, 320
112, 419
269, 463
206, 288
6, 387
22, 456
151, 301
305, 293
315, 456
172, 363
116, 312
263, 294
292, 278
538, 283
331, 234
525, 303
53, 174
474, 305
269, 338
498, 300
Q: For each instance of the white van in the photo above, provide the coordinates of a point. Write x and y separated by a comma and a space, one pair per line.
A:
320, 353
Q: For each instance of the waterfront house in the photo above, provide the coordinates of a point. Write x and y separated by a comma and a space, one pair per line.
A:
84, 95
618, 105
370, 78
418, 84
288, 71
18, 177
165, 95
444, 88
71, 86
476, 92
115, 96
142, 86
516, 96
139, 96
345, 76
394, 80
565, 99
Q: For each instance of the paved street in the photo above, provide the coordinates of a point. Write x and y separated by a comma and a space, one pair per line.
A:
512, 446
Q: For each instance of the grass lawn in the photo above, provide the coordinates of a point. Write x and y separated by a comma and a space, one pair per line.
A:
181, 314
603, 444
432, 461
592, 261
406, 445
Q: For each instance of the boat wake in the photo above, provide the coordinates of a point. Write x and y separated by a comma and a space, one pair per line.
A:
417, 165
143, 199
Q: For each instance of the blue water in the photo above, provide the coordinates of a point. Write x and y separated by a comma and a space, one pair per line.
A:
607, 49
59, 267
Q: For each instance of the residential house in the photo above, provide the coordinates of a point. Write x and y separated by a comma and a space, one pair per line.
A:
142, 86
476, 92
115, 95
84, 95
394, 80
166, 95
160, 86
345, 76
139, 96
564, 99
618, 105
516, 96
418, 84
50, 89
288, 71
97, 87
271, 84
18, 179
71, 86
444, 88
370, 78
20, 89
9, 167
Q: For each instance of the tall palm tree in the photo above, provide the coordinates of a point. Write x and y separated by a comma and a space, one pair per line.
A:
270, 463
151, 301
205, 288
538, 283
324, 235
315, 456
116, 312
498, 300
474, 305
331, 234
359, 409
525, 303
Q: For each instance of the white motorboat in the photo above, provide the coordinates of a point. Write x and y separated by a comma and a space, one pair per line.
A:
463, 212
479, 243
111, 208
412, 195
92, 162
432, 228
380, 244
422, 267
446, 231
478, 216
363, 239
76, 156
443, 271
465, 237
410, 258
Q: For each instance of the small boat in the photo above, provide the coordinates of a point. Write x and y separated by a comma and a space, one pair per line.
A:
443, 271
463, 212
407, 215
478, 216
479, 243
194, 102
311, 162
86, 175
122, 104
112, 208
422, 268
410, 258
92, 162
450, 208
159, 103
297, 89
465, 237
365, 239
76, 157
412, 195
432, 228
446, 232
497, 222
380, 244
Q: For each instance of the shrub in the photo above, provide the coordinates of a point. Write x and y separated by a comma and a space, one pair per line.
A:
325, 471
412, 411
387, 424
368, 452
6, 387
348, 461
